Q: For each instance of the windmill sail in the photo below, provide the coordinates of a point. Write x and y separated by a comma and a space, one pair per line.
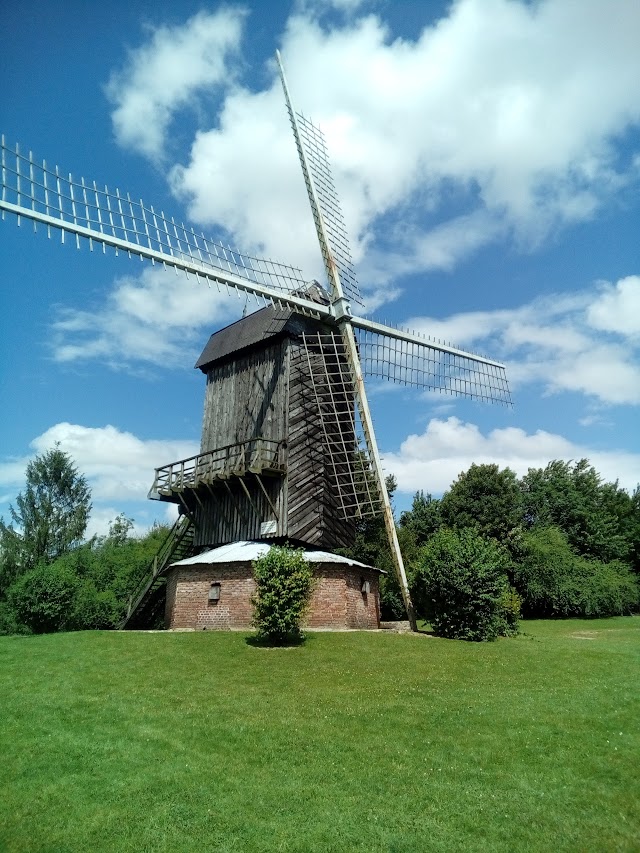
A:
104, 217
408, 359
343, 316
325, 201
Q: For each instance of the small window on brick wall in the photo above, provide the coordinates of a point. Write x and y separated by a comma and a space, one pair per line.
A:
214, 593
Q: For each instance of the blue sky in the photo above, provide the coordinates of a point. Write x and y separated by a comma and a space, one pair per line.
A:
487, 154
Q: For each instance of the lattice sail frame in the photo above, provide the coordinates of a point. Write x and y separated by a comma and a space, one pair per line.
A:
348, 454
106, 217
327, 203
425, 365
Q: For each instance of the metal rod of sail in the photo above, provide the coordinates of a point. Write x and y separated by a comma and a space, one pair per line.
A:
353, 359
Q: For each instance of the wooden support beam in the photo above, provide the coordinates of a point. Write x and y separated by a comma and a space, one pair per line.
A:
236, 503
249, 498
266, 494
227, 518
187, 510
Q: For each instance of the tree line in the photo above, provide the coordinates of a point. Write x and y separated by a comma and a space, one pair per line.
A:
560, 541
51, 578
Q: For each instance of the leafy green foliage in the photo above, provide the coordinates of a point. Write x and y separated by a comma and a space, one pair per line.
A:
461, 585
511, 610
554, 581
11, 559
486, 498
423, 519
371, 546
632, 529
572, 538
594, 516
105, 572
43, 598
284, 582
9, 622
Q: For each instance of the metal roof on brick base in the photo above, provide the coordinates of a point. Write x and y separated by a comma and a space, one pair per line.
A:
242, 552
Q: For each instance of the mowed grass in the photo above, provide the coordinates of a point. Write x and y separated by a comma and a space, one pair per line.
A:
357, 741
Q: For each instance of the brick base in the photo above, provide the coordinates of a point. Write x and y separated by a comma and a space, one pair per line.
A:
337, 601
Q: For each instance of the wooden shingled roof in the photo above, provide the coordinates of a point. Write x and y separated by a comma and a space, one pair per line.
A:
251, 331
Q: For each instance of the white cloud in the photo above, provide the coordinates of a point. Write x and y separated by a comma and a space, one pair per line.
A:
433, 460
165, 73
511, 108
118, 465
617, 308
155, 318
551, 340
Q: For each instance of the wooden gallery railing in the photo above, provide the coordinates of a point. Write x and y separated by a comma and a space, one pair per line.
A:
258, 455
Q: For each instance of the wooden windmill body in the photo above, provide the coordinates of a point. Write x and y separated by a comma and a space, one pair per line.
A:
263, 471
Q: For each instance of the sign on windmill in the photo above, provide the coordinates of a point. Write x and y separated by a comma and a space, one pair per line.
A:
288, 445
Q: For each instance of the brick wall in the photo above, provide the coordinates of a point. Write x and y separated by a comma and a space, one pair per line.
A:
337, 601
363, 609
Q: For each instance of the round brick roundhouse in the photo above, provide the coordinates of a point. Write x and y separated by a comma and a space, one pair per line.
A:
213, 590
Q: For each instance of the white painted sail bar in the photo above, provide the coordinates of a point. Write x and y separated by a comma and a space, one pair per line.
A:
33, 191
413, 338
210, 274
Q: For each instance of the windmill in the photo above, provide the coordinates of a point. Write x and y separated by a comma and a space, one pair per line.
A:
340, 347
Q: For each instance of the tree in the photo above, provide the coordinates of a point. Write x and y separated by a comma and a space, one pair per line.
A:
553, 581
461, 586
633, 530
573, 497
51, 515
119, 529
485, 498
284, 581
371, 546
424, 517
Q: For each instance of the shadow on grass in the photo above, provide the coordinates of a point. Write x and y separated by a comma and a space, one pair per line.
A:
277, 643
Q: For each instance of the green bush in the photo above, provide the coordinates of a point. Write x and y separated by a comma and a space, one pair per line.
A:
9, 623
554, 581
95, 609
43, 598
284, 582
613, 589
511, 607
460, 585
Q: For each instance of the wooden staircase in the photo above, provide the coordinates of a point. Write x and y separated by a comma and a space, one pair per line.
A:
146, 606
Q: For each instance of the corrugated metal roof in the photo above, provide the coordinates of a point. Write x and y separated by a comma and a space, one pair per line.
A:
241, 552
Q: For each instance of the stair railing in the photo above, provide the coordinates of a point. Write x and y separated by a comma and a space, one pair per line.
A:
176, 537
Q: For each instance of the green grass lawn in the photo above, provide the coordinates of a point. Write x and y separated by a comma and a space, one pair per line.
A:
357, 741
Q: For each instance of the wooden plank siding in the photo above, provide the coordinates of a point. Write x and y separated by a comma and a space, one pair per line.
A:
223, 513
245, 398
265, 391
